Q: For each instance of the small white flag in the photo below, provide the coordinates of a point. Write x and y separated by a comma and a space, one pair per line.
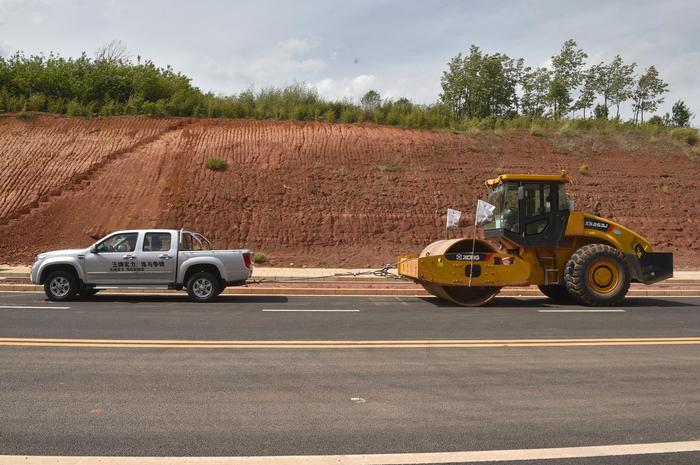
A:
453, 218
484, 212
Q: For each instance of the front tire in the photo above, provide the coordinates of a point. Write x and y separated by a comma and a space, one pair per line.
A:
203, 287
597, 275
61, 285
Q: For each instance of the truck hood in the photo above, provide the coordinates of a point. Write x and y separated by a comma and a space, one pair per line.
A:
55, 253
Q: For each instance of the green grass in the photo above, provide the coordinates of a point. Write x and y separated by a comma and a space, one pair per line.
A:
259, 258
24, 115
687, 135
536, 131
216, 164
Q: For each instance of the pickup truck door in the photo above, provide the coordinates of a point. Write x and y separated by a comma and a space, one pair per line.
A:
113, 261
157, 257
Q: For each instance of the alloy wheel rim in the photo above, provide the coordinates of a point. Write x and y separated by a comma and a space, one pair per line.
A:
604, 276
60, 286
202, 288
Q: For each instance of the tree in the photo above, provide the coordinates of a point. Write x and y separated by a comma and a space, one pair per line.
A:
498, 78
586, 97
371, 100
567, 76
559, 98
481, 85
113, 52
620, 82
535, 85
648, 93
680, 115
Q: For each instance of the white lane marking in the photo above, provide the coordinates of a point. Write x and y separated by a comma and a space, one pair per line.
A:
32, 307
308, 310
593, 310
373, 459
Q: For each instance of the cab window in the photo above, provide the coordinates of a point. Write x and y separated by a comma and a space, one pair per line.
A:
156, 242
505, 198
534, 203
124, 242
563, 201
538, 202
190, 243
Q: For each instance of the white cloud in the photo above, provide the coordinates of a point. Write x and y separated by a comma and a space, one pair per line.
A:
288, 61
349, 87
293, 46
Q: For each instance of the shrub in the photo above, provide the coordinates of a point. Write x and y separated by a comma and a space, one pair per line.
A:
75, 109
687, 135
536, 131
259, 258
583, 169
656, 120
600, 112
24, 115
216, 164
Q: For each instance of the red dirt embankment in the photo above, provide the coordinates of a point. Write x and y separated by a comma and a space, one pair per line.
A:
308, 193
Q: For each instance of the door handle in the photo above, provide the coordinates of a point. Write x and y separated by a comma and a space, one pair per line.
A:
164, 256
128, 257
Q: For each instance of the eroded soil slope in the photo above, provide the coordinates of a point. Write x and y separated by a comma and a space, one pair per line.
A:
44, 156
309, 193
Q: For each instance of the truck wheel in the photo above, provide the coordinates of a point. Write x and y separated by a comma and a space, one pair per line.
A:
203, 286
556, 292
61, 285
597, 275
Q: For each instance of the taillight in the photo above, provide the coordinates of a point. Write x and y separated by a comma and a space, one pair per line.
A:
248, 259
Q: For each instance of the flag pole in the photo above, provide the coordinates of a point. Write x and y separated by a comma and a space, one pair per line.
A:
471, 257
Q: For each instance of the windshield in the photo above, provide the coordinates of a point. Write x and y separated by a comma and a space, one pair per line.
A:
505, 198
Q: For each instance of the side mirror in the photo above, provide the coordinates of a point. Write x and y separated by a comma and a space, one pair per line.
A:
93, 249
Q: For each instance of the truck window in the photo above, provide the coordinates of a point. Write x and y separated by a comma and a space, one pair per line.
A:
190, 242
125, 242
156, 242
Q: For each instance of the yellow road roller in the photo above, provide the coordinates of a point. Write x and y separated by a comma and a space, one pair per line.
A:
534, 236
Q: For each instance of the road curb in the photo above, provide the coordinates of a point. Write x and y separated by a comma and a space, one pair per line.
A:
245, 290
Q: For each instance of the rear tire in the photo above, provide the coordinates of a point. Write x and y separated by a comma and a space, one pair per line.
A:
597, 275
61, 285
556, 292
203, 287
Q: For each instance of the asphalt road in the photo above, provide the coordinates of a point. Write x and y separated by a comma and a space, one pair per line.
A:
184, 401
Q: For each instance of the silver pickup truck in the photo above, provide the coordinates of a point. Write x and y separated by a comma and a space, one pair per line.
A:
143, 259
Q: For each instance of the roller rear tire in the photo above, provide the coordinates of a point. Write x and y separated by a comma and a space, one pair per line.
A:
597, 275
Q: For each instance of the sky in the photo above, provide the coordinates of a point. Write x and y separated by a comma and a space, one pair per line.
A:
344, 48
